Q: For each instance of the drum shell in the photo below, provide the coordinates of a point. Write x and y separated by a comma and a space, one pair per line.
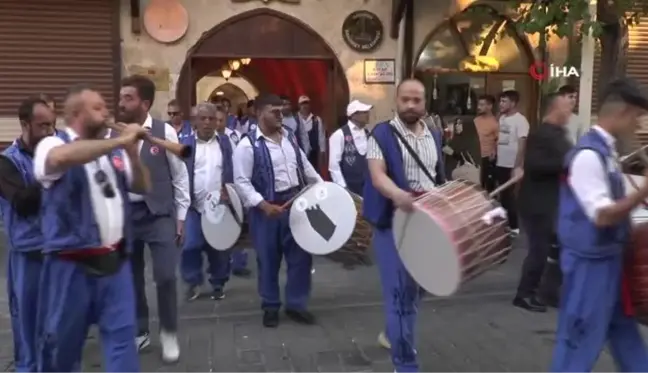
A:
356, 250
636, 270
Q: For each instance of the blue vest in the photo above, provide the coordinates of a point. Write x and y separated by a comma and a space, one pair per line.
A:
377, 209
575, 230
252, 124
263, 173
313, 134
68, 218
353, 164
232, 122
24, 234
227, 152
185, 130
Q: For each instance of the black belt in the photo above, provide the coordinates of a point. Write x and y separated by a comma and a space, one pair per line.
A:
99, 264
35, 255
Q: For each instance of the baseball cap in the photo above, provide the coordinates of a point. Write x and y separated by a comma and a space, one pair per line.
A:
356, 106
303, 99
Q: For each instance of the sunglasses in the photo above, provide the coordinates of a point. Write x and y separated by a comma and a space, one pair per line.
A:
101, 179
173, 113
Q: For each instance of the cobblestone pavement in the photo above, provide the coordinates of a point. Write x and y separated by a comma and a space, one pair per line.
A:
477, 330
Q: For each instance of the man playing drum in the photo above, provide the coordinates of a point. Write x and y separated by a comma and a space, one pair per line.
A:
270, 169
209, 167
594, 229
394, 152
348, 149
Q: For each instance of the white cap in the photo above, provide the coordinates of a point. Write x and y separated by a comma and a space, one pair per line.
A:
356, 106
303, 99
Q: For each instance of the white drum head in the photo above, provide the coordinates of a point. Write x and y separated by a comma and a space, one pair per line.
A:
219, 226
322, 219
427, 252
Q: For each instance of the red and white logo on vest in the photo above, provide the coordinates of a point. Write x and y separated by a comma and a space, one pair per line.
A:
348, 138
118, 163
155, 150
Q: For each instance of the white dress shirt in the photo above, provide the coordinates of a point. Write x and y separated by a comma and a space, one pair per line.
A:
589, 180
336, 150
307, 125
208, 170
284, 164
108, 212
179, 174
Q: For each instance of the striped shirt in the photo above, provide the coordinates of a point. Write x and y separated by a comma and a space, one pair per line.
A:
423, 145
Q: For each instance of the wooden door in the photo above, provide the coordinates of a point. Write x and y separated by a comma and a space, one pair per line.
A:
496, 83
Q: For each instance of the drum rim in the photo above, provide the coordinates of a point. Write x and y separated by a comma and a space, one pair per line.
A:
237, 230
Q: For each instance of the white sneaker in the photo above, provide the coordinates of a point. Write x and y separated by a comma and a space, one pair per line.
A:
142, 341
170, 347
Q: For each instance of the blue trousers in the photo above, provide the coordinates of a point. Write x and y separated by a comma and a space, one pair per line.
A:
71, 301
23, 281
401, 295
239, 259
191, 263
591, 314
273, 242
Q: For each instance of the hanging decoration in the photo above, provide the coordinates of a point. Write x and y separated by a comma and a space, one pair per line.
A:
246, 61
235, 64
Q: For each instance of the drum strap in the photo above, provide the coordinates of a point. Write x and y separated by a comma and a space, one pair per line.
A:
413, 154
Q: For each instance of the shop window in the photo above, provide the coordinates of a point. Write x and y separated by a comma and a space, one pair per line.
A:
443, 52
507, 49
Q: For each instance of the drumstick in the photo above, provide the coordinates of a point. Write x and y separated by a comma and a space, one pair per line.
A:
505, 186
290, 201
180, 150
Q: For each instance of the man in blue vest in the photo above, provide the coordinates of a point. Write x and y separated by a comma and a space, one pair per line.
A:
312, 132
348, 149
232, 122
86, 277
209, 168
249, 122
395, 180
594, 231
270, 169
20, 201
158, 217
182, 127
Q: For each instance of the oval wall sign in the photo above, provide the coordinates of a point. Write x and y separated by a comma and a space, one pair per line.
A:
362, 31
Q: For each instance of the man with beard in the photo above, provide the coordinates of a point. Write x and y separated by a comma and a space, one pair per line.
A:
396, 179
538, 197
158, 217
86, 277
270, 169
312, 132
487, 131
209, 168
20, 201
182, 127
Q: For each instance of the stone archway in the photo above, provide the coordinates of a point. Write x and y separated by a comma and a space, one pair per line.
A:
288, 57
234, 93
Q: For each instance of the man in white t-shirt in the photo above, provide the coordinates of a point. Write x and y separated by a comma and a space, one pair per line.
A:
513, 131
575, 126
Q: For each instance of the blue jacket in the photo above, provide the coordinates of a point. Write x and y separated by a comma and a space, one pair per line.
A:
24, 234
576, 231
68, 221
377, 209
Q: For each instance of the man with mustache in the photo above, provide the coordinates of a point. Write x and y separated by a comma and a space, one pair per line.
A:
86, 277
270, 169
20, 201
158, 216
395, 180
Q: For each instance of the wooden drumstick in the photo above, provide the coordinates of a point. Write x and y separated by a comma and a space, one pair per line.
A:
180, 150
505, 186
290, 201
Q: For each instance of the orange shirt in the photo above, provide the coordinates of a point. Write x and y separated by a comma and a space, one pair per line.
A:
487, 130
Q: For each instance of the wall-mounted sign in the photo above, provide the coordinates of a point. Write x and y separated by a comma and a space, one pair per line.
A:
166, 21
268, 1
160, 76
380, 71
363, 31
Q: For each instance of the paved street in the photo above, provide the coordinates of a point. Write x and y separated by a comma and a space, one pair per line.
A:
476, 330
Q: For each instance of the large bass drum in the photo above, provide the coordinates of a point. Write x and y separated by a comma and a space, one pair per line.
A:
357, 249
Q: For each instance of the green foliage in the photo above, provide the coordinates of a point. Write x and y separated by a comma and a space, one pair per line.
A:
571, 18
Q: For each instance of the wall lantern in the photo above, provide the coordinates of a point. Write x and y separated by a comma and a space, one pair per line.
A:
246, 61
227, 73
235, 64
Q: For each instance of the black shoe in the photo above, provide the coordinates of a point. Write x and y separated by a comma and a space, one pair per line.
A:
529, 304
192, 293
271, 318
302, 317
242, 272
217, 294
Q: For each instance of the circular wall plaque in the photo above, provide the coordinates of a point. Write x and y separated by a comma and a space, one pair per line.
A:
362, 31
166, 21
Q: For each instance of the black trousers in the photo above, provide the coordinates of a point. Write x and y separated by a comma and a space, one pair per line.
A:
539, 230
487, 174
552, 278
507, 197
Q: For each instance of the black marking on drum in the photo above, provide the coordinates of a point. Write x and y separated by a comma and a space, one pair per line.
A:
320, 222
